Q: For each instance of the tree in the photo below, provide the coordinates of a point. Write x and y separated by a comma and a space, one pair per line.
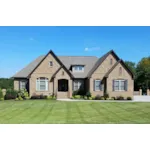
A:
6, 83
143, 73
132, 66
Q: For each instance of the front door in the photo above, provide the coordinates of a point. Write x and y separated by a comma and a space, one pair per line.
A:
63, 85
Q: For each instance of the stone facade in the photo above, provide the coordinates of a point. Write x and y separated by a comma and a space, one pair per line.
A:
47, 71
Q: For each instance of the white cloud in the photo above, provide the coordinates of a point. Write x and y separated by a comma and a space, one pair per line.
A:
87, 49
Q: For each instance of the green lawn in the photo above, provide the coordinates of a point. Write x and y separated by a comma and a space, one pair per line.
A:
57, 112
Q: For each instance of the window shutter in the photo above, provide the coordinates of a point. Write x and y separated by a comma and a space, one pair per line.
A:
100, 84
19, 85
126, 85
113, 84
93, 85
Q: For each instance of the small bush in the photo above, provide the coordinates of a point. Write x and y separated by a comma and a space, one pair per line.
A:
20, 98
39, 96
24, 94
1, 94
97, 97
102, 98
120, 98
88, 94
113, 98
17, 99
129, 98
85, 97
11, 94
90, 98
1, 99
77, 97
106, 95
75, 93
93, 97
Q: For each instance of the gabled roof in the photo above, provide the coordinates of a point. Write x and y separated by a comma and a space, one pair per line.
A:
91, 63
67, 61
24, 73
100, 61
57, 59
124, 65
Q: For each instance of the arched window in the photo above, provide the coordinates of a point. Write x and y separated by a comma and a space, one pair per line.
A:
42, 84
111, 61
120, 71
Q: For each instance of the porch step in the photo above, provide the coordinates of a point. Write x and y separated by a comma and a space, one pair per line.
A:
62, 95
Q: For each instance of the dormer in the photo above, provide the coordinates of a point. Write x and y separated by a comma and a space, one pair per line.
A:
77, 68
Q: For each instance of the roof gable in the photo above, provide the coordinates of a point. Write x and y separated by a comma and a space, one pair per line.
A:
100, 61
124, 65
57, 59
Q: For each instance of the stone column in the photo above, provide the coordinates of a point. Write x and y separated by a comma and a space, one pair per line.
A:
70, 88
140, 91
148, 92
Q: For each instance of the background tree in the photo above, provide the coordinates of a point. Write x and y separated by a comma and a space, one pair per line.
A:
6, 83
143, 73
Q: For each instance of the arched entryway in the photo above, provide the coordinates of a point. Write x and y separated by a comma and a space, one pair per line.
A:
62, 85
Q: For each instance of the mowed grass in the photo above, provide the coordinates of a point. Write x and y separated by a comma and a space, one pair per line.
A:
58, 112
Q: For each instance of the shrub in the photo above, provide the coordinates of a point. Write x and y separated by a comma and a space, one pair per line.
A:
24, 94
75, 93
1, 99
129, 98
11, 94
90, 98
1, 94
120, 98
88, 94
79, 92
93, 97
20, 98
102, 98
17, 99
77, 97
97, 97
35, 97
113, 98
85, 97
106, 95
51, 97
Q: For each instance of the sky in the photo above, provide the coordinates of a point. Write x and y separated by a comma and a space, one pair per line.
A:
21, 45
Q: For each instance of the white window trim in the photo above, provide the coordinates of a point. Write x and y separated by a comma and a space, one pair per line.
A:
78, 70
79, 83
119, 86
50, 63
21, 84
95, 85
46, 84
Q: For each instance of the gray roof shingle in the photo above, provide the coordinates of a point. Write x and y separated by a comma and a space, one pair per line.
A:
68, 61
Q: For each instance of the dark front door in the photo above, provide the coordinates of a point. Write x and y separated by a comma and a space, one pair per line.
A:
63, 85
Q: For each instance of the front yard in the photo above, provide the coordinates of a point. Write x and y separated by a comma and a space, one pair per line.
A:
58, 112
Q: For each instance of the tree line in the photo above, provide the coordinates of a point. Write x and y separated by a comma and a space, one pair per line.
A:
141, 72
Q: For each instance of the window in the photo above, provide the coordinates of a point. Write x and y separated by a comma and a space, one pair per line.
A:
22, 85
120, 85
50, 63
42, 84
79, 68
78, 84
111, 61
97, 85
120, 71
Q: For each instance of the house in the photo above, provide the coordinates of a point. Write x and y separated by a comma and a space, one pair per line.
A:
61, 75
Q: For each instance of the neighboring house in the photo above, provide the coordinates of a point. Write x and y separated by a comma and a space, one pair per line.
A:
61, 75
